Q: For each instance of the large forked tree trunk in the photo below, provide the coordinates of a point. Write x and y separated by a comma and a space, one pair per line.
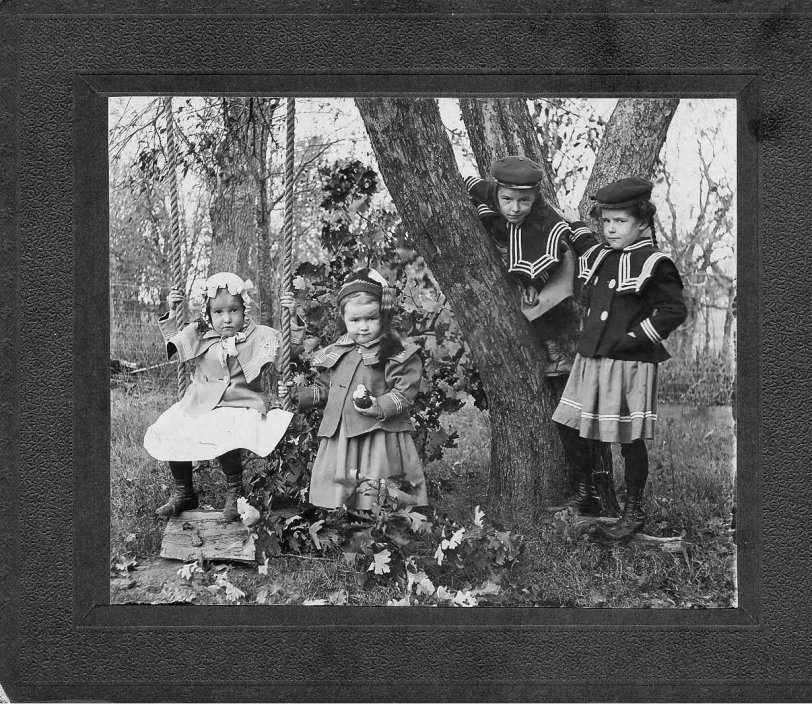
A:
634, 136
416, 160
496, 128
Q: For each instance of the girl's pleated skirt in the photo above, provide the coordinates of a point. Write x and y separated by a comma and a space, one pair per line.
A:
347, 470
611, 400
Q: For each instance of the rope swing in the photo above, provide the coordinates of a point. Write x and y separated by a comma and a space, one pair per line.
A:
287, 251
176, 250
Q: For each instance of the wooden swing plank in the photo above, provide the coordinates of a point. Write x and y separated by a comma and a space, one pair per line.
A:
198, 534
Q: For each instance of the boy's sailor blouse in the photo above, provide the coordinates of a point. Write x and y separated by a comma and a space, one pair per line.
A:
532, 250
634, 290
346, 365
227, 370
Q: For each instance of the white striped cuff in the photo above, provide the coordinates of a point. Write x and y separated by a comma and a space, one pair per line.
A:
651, 333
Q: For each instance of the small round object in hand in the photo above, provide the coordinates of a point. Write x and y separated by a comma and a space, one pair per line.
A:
361, 397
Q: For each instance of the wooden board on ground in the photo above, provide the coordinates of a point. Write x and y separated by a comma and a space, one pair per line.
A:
196, 534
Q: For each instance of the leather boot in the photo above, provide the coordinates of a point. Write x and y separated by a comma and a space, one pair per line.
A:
233, 492
585, 501
633, 518
557, 363
183, 496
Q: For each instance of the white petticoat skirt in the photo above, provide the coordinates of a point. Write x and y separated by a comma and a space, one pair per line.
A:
178, 437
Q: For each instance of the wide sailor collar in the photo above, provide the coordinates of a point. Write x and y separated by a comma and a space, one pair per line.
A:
370, 352
535, 245
636, 263
533, 250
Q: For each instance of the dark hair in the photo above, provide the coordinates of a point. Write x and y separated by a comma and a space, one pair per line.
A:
390, 343
642, 212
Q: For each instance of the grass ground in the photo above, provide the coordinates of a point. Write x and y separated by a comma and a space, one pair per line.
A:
690, 493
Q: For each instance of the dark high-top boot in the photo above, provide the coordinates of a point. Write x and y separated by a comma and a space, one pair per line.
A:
557, 362
183, 495
633, 518
231, 464
585, 501
233, 492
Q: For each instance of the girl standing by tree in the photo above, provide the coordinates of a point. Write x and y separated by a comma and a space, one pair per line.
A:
223, 410
635, 294
368, 380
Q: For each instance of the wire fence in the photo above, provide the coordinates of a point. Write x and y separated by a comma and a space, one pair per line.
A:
690, 376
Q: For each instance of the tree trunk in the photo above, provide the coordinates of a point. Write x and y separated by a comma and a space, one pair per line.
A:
727, 335
634, 136
496, 128
233, 202
417, 163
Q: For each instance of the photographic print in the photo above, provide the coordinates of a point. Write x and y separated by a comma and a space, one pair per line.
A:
460, 487
342, 267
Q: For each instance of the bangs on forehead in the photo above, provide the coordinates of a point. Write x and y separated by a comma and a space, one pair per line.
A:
360, 298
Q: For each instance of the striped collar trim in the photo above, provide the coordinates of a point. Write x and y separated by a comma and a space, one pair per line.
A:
639, 244
534, 268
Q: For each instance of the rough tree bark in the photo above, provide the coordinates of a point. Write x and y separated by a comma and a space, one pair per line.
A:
634, 136
417, 163
497, 127
233, 201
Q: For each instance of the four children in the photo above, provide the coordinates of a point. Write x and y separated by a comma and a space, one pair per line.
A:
368, 378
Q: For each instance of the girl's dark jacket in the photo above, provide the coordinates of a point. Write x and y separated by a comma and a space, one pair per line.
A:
635, 301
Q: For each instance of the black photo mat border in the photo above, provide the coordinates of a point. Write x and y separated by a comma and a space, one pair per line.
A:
91, 247
62, 638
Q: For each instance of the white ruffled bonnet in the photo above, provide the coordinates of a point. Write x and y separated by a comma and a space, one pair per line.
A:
231, 283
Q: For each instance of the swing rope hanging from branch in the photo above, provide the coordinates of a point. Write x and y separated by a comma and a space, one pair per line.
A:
287, 252
176, 250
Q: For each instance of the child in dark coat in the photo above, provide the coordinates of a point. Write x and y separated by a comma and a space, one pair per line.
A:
368, 380
534, 243
635, 302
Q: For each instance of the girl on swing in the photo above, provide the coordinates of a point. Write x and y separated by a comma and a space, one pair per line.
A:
368, 379
223, 411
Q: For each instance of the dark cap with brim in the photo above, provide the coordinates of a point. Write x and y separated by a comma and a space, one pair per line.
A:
516, 172
623, 193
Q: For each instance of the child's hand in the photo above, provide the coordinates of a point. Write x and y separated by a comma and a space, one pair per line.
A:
371, 410
174, 299
570, 214
530, 296
288, 301
284, 389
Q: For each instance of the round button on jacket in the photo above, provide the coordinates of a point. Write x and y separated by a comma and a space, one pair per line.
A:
604, 315
612, 283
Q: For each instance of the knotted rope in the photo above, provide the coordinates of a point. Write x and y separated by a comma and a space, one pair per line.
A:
287, 252
176, 250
